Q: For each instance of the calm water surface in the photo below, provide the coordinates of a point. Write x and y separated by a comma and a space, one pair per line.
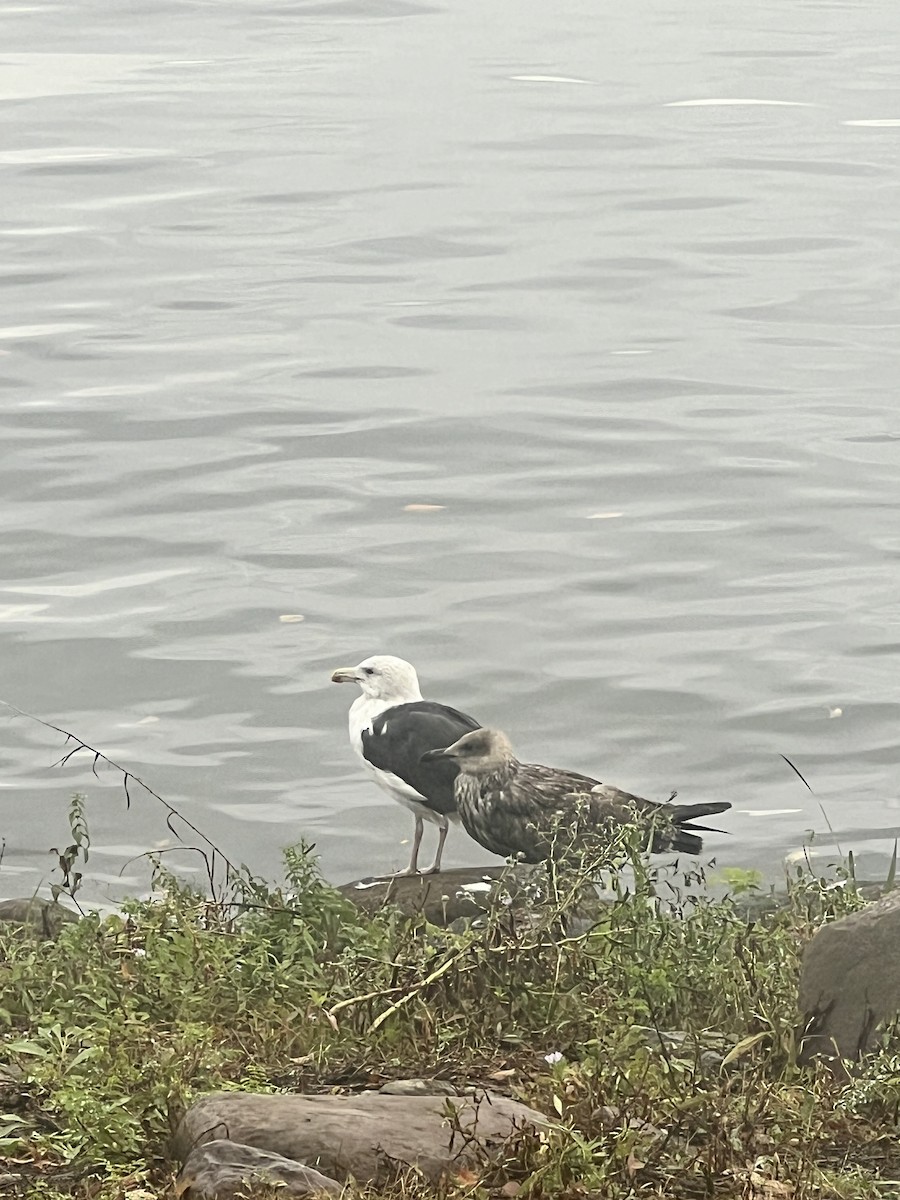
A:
613, 294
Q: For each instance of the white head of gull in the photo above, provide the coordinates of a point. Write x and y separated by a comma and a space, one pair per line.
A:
383, 679
391, 728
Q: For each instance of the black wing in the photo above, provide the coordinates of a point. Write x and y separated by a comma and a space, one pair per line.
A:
402, 734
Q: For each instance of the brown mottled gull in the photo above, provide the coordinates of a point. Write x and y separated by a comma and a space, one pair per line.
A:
514, 808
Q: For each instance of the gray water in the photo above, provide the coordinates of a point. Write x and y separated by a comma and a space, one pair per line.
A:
554, 348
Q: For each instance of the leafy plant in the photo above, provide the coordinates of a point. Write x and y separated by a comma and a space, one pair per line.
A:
77, 851
655, 1026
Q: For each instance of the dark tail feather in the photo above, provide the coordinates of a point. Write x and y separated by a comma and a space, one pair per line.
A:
682, 842
687, 812
683, 837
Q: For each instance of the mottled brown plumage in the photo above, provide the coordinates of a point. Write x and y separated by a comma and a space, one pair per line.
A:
514, 808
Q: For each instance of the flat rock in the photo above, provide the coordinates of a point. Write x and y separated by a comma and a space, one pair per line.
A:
43, 917
459, 894
850, 981
441, 898
454, 897
226, 1170
363, 1136
417, 1087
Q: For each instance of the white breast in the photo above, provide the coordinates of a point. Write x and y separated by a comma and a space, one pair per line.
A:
363, 712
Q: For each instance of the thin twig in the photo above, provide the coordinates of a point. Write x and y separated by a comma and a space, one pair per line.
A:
172, 813
413, 992
342, 1004
796, 772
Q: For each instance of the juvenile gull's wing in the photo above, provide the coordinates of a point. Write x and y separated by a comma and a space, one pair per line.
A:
668, 822
580, 804
541, 797
519, 813
552, 790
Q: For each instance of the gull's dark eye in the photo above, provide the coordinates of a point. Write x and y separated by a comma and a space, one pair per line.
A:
368, 670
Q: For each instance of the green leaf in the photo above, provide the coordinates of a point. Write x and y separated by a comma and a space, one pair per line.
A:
83, 1055
26, 1047
743, 1046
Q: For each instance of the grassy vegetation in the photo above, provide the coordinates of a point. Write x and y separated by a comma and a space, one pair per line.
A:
109, 1031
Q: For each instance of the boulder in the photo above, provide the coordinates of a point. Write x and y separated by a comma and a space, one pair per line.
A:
456, 896
42, 917
850, 982
442, 898
225, 1170
365, 1136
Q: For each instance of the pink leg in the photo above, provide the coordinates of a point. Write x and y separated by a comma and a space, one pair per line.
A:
413, 868
442, 837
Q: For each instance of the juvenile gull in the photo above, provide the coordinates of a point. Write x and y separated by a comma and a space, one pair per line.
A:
391, 728
515, 808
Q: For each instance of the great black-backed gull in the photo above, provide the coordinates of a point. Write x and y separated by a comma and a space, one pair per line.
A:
515, 808
391, 728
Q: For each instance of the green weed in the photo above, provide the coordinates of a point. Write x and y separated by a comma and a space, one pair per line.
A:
659, 1035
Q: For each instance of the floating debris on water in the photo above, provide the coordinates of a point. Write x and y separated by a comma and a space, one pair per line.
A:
733, 101
768, 812
548, 79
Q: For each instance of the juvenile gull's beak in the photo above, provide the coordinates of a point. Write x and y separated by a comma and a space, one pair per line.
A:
433, 755
344, 675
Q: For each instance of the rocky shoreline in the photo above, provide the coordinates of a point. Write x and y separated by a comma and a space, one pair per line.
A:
312, 1003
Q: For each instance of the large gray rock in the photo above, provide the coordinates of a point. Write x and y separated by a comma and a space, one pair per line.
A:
850, 981
363, 1136
42, 917
225, 1170
441, 898
462, 893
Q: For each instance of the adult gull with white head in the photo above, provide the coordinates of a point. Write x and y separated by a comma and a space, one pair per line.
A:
391, 728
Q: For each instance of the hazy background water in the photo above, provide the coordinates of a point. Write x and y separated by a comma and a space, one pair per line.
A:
616, 292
